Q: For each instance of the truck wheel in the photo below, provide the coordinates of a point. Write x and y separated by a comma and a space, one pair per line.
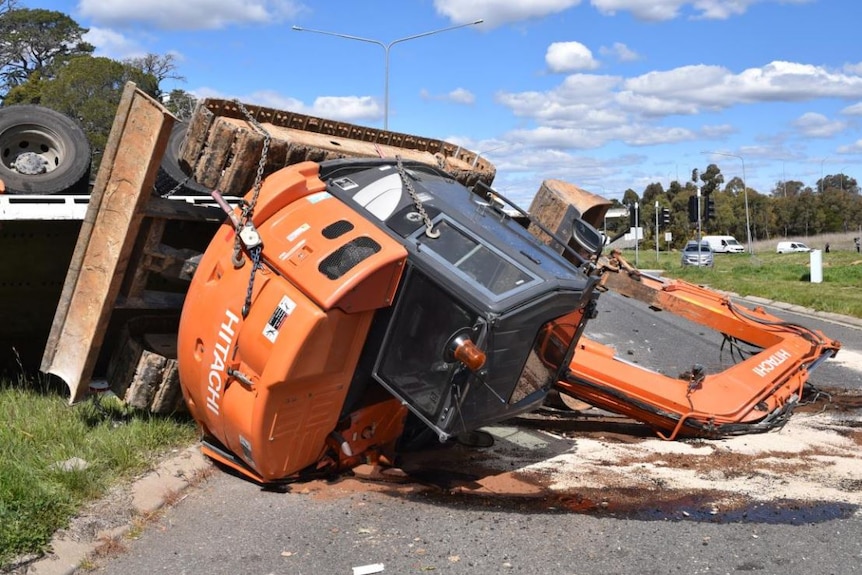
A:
42, 152
172, 179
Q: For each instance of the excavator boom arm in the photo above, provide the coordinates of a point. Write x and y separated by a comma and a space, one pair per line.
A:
755, 394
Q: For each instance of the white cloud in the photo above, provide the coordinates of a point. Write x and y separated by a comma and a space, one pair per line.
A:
661, 10
347, 108
654, 10
589, 110
456, 96
342, 108
715, 87
814, 125
569, 57
499, 12
854, 148
718, 131
620, 51
461, 96
112, 44
854, 110
188, 14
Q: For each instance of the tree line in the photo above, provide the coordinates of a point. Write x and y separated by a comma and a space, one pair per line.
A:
789, 209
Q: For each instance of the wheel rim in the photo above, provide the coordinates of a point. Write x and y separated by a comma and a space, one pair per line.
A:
30, 149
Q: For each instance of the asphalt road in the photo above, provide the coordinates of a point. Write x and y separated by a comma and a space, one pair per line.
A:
229, 525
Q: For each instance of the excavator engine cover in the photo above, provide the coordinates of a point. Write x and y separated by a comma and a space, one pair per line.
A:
377, 286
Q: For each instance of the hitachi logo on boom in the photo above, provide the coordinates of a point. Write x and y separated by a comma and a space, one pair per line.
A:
224, 341
771, 362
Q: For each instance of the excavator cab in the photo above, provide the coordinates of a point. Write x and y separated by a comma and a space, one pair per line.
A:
374, 287
460, 347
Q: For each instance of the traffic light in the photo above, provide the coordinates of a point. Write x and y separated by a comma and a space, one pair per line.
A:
692, 209
632, 218
710, 209
665, 217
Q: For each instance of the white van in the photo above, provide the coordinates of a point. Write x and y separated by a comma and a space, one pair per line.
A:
724, 244
790, 247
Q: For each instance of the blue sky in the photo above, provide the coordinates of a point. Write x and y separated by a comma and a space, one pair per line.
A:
605, 94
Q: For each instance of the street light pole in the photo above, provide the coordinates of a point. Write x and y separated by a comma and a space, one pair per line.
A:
745, 194
386, 48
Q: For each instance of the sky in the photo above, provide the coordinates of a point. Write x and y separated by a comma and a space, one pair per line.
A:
605, 94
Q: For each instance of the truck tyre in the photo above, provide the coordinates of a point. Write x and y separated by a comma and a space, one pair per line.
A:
42, 152
172, 179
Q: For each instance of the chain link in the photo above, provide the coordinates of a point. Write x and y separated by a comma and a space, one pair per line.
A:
248, 210
248, 207
176, 188
256, 251
429, 225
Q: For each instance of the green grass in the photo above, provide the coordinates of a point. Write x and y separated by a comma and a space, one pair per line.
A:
779, 277
39, 431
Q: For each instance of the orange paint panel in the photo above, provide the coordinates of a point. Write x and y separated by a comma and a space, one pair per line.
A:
298, 243
746, 392
271, 386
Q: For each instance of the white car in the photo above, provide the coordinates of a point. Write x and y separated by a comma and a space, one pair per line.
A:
791, 247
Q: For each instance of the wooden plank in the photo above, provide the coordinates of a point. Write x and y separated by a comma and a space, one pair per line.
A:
128, 169
557, 203
151, 233
143, 370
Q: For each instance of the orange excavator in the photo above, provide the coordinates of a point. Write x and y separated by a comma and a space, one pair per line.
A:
353, 307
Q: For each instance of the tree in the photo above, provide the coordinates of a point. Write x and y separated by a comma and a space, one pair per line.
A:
787, 188
652, 191
7, 5
735, 186
711, 179
674, 189
158, 66
34, 41
181, 104
88, 89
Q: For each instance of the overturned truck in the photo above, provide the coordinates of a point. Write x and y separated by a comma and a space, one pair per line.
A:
351, 306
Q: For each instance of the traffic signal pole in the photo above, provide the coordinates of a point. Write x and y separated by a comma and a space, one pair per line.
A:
698, 225
656, 231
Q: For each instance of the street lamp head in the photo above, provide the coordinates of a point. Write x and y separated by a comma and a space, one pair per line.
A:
386, 47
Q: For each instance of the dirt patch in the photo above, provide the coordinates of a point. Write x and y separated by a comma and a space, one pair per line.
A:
807, 471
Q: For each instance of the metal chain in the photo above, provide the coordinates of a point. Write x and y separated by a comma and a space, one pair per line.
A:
429, 225
248, 210
248, 207
176, 188
255, 251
